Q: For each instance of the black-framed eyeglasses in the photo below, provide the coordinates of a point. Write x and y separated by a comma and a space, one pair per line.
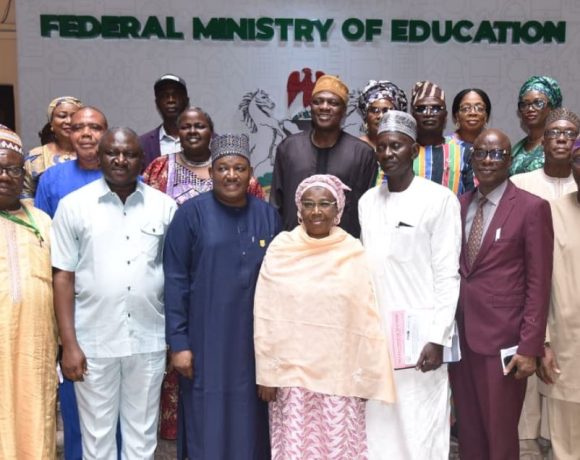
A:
322, 205
13, 171
377, 110
569, 134
477, 108
537, 104
434, 109
493, 154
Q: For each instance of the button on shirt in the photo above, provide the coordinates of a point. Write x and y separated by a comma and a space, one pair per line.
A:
115, 251
168, 144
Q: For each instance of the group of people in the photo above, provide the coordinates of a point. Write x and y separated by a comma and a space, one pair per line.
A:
329, 323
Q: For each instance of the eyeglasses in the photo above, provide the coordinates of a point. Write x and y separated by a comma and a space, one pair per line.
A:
434, 109
569, 134
493, 154
536, 104
322, 205
13, 171
477, 108
377, 110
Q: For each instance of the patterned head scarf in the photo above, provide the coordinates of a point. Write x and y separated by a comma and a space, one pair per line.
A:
545, 85
382, 89
230, 144
399, 122
426, 88
62, 100
10, 140
333, 85
331, 183
563, 114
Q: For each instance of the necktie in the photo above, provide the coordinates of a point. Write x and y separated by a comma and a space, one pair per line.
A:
476, 233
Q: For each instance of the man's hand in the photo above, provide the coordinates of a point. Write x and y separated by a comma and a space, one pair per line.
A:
431, 357
267, 394
182, 362
525, 366
548, 369
73, 363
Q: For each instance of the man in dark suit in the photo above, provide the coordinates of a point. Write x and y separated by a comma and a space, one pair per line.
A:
506, 269
171, 99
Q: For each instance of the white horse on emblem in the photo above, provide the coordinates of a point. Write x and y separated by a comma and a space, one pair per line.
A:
266, 132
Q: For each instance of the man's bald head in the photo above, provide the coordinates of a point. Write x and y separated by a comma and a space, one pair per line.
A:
491, 159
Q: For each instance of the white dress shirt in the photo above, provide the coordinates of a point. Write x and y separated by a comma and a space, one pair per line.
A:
115, 251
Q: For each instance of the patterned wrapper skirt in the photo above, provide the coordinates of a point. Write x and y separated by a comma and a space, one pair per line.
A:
308, 425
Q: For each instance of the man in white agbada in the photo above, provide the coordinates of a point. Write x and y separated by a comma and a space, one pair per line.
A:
411, 228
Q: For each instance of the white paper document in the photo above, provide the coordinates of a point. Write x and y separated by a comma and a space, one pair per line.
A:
507, 353
409, 334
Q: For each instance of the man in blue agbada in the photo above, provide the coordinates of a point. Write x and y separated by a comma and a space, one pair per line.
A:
213, 252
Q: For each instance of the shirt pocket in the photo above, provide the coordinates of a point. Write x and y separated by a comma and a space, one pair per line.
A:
403, 241
152, 239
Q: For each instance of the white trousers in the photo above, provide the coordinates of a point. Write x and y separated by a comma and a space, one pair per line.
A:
127, 390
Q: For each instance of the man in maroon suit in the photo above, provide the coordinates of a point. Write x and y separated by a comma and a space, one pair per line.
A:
506, 269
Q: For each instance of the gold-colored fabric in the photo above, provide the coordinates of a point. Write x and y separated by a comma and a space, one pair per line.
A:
564, 315
316, 321
564, 429
28, 343
333, 85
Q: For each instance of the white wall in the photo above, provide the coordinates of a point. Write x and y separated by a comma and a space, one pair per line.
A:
117, 75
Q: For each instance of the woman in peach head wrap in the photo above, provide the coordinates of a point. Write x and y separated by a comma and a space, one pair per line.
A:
320, 348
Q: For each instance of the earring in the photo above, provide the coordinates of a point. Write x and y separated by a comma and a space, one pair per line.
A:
456, 125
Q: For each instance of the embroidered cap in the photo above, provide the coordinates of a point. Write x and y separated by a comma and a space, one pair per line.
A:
10, 140
399, 122
230, 144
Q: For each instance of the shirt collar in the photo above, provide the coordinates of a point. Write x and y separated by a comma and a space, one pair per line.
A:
163, 134
104, 191
495, 195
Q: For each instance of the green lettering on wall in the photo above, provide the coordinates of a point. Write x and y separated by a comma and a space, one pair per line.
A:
111, 27
129, 27
324, 27
442, 36
353, 29
485, 32
419, 31
303, 29
458, 28
554, 32
172, 33
213, 30
152, 28
399, 30
265, 29
373, 27
283, 23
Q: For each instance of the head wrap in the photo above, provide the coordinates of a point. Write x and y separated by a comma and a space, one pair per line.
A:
426, 88
62, 100
332, 84
230, 144
563, 114
331, 183
10, 140
399, 122
545, 85
382, 89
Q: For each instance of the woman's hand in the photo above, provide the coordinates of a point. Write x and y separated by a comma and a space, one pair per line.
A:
267, 394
